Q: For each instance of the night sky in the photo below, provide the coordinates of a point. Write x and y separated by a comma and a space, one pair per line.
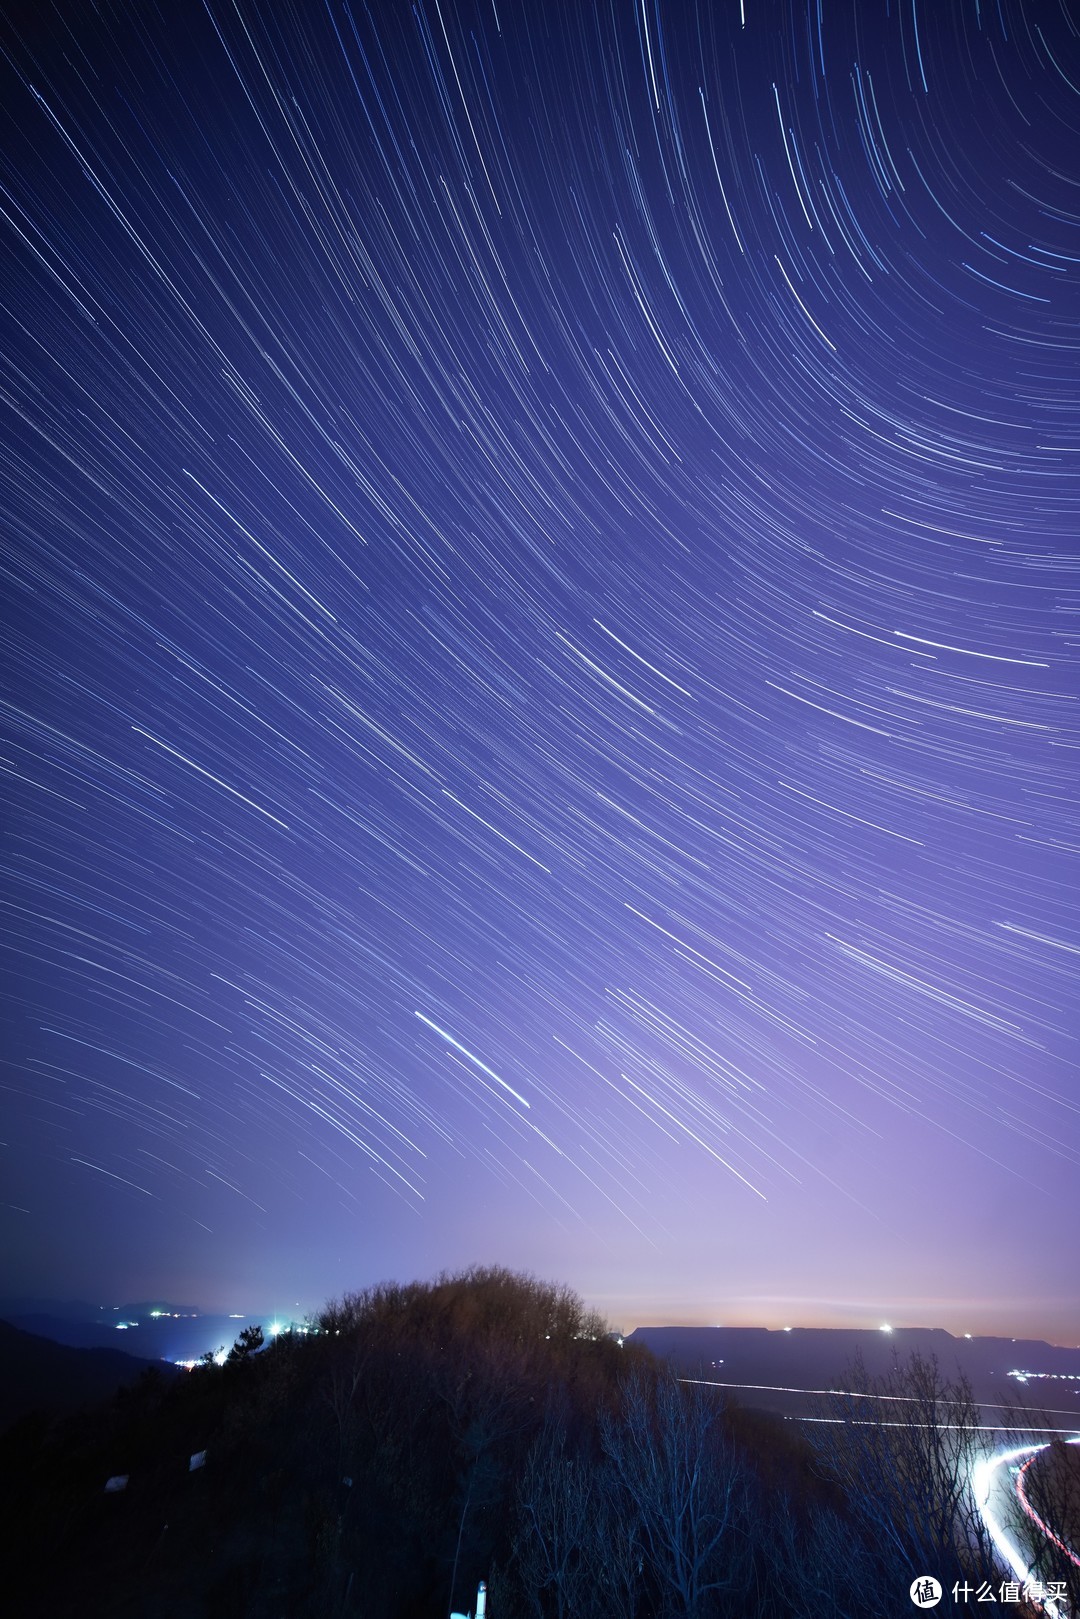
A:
540, 684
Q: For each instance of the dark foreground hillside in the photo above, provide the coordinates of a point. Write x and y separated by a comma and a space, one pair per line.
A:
37, 1374
484, 1426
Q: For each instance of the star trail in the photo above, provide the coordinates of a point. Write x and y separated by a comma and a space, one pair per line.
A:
540, 547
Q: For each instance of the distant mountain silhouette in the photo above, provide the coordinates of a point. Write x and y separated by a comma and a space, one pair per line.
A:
37, 1374
172, 1332
817, 1357
60, 1309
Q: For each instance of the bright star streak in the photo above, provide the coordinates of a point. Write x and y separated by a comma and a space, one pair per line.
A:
465, 1052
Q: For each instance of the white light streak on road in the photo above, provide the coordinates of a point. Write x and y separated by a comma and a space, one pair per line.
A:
984, 1481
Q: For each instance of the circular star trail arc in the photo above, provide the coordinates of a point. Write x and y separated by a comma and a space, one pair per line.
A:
540, 551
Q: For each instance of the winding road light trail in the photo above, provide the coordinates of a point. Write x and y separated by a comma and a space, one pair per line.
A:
985, 1479
1039, 1522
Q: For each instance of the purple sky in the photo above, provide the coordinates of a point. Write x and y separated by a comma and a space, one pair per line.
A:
540, 701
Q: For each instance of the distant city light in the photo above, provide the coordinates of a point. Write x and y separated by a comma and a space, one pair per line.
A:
1057, 1377
885, 1327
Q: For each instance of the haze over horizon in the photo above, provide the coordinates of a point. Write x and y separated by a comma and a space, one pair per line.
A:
539, 677
64, 1319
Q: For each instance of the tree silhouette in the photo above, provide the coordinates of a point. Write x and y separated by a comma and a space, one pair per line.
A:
902, 1447
681, 1477
249, 1341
